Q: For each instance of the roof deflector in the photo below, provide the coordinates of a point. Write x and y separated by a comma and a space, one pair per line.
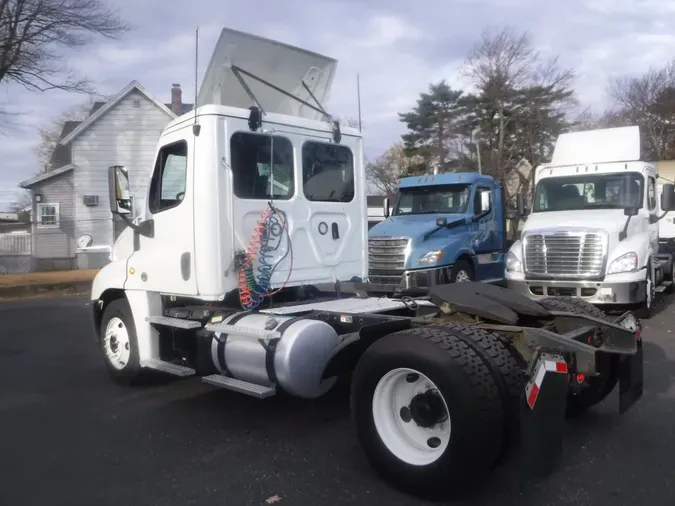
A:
621, 144
246, 70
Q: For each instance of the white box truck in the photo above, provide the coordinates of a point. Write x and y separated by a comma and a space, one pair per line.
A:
593, 231
248, 266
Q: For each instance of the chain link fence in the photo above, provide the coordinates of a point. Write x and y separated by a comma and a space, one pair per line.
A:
16, 253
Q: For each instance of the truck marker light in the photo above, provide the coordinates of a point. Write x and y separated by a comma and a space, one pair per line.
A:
132, 271
581, 378
533, 387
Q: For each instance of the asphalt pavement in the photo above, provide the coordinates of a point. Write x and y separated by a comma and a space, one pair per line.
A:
69, 436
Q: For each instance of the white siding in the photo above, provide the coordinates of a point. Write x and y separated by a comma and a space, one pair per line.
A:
57, 242
125, 135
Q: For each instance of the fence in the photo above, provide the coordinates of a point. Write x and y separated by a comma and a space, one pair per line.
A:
15, 253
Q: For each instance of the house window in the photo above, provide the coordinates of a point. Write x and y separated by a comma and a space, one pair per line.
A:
47, 215
262, 166
327, 172
169, 180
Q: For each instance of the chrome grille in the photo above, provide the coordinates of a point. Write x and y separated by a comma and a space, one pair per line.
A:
386, 259
566, 253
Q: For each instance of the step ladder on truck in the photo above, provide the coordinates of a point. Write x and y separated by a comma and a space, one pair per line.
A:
611, 257
248, 269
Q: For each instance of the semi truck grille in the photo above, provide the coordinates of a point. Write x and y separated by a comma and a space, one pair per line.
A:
565, 254
386, 259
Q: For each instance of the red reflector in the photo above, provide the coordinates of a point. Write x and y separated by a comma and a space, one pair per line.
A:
637, 334
580, 378
561, 367
532, 398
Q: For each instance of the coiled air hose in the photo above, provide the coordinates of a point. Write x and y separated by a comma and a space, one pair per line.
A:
264, 243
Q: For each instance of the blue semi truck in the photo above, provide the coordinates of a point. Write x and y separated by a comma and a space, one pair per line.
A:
443, 228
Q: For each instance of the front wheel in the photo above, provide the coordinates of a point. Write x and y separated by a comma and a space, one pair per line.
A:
461, 272
427, 412
646, 307
119, 344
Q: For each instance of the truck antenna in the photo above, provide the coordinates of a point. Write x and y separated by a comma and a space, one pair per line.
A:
195, 127
358, 97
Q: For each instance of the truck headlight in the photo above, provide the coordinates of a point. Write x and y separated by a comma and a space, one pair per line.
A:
512, 263
430, 258
625, 263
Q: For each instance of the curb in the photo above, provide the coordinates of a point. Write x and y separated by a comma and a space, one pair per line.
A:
32, 290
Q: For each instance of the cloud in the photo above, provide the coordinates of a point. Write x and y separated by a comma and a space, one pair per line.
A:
396, 48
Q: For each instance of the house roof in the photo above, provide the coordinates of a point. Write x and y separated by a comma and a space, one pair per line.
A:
101, 110
47, 175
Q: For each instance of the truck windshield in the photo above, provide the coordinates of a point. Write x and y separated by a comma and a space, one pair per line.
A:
445, 199
589, 191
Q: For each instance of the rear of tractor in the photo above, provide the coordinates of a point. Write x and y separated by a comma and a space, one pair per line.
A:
438, 405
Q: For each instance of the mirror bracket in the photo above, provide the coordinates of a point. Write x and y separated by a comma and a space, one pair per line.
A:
145, 228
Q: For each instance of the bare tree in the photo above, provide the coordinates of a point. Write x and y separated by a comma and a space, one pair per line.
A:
22, 201
385, 172
646, 101
51, 133
523, 99
35, 35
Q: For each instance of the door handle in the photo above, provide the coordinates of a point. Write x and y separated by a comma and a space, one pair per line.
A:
335, 230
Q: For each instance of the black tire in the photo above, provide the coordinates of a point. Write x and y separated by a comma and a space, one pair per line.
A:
598, 388
509, 376
584, 306
646, 307
472, 398
462, 266
131, 373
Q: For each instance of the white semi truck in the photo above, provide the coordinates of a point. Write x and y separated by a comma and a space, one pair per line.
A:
593, 232
248, 269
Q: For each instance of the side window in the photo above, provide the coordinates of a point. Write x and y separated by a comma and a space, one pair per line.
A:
327, 172
483, 201
262, 166
167, 188
651, 194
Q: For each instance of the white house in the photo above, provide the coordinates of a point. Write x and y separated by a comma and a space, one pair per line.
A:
71, 199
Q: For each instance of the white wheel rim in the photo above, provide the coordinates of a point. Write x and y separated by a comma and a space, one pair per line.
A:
116, 343
462, 277
414, 444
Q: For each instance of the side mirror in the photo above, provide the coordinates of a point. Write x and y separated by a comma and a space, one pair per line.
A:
631, 211
668, 197
511, 214
485, 200
385, 207
441, 222
118, 187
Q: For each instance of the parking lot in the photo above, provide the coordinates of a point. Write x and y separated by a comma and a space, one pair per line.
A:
71, 437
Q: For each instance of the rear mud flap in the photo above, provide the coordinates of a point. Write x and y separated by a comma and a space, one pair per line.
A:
631, 379
543, 418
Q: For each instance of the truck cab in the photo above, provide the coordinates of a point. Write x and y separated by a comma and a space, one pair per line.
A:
610, 256
443, 228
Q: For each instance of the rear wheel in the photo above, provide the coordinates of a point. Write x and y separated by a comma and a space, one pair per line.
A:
599, 387
427, 411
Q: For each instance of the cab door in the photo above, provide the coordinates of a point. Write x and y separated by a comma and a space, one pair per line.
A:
164, 262
654, 212
486, 240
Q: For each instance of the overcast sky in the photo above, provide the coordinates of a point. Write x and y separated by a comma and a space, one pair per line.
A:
397, 49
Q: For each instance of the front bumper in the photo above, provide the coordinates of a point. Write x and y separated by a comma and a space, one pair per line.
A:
418, 278
623, 289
